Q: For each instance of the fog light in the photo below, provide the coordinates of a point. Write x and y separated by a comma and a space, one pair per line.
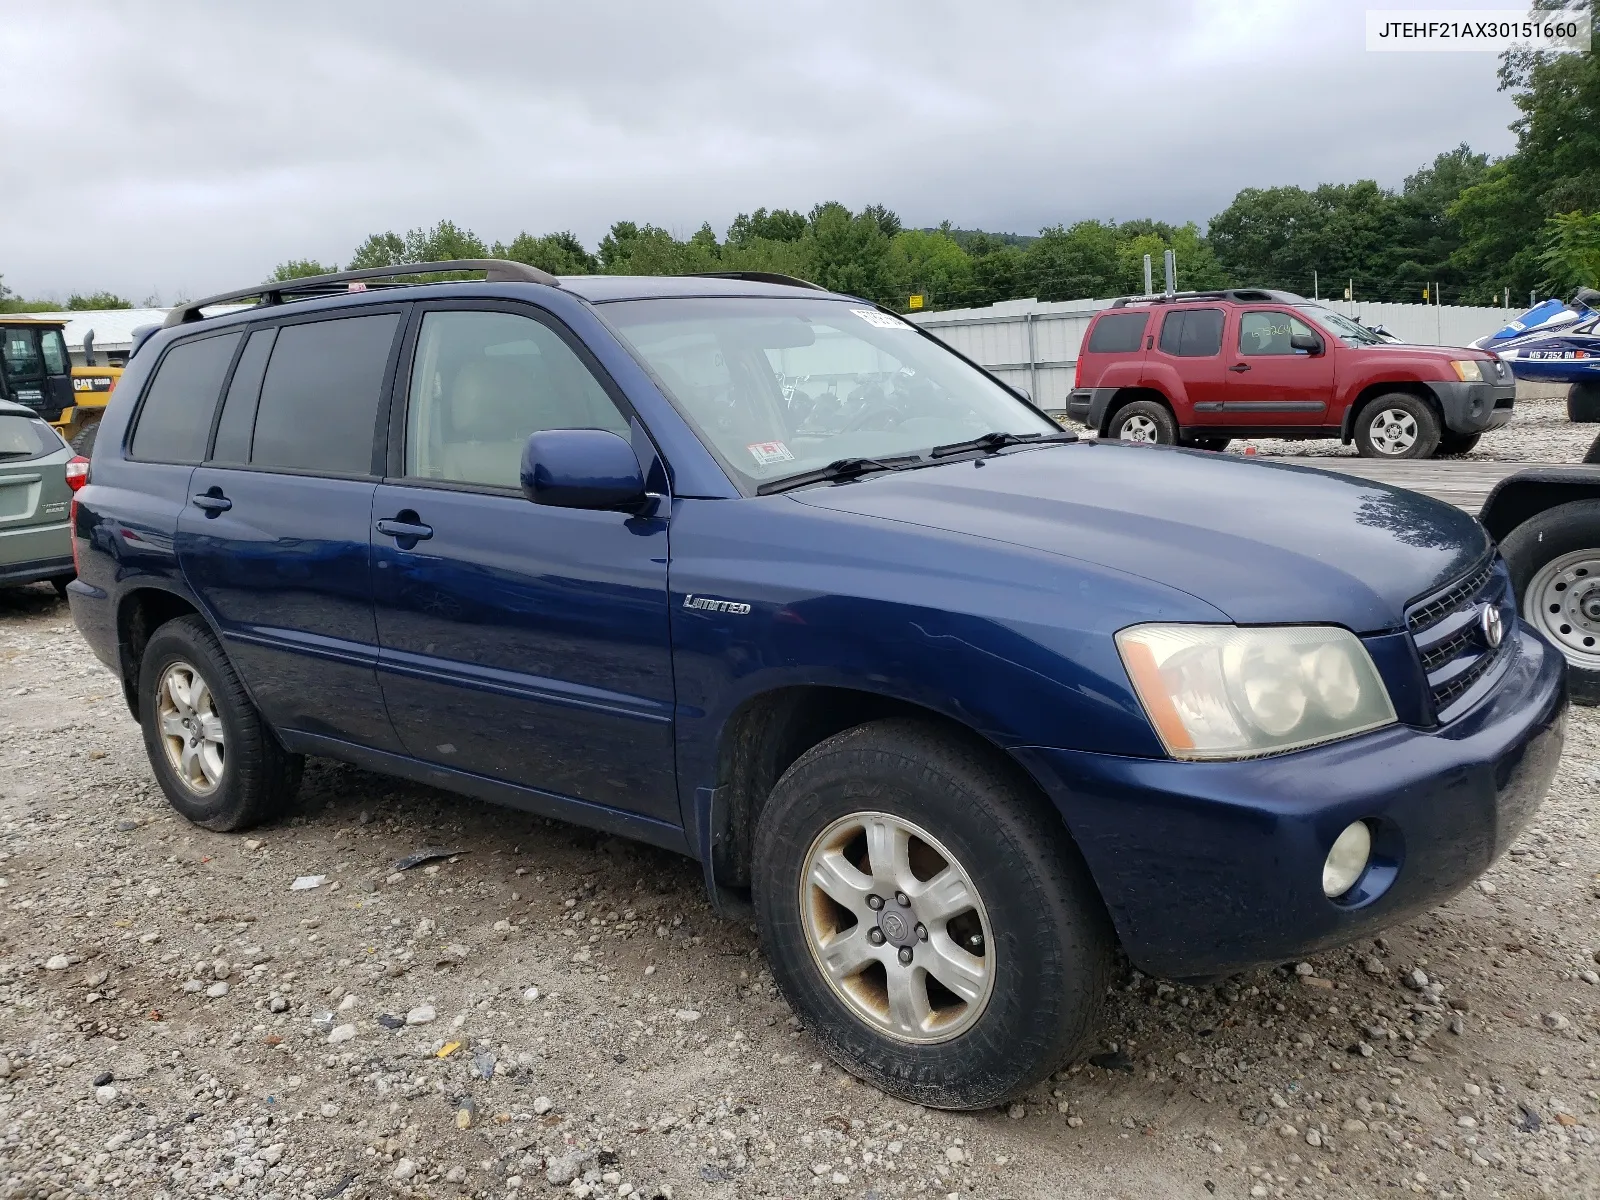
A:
1347, 859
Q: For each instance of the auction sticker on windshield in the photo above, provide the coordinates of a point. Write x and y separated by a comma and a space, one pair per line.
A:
767, 453
882, 320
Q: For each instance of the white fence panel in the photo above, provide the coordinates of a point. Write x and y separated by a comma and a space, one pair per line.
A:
1035, 345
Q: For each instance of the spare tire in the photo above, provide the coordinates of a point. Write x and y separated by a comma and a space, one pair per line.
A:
1583, 403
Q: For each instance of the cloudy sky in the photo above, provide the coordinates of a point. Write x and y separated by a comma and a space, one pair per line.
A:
188, 147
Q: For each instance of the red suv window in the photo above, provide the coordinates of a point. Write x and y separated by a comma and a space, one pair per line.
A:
1117, 333
1192, 332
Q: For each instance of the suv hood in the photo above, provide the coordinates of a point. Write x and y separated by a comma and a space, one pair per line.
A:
1261, 542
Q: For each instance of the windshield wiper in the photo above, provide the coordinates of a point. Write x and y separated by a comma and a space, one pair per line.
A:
839, 468
991, 442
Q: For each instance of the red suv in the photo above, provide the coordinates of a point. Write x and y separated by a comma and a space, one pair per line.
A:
1201, 368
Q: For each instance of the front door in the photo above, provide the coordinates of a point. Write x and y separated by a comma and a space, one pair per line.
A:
276, 541
520, 643
1272, 383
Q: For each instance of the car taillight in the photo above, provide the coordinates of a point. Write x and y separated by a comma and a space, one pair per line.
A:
77, 472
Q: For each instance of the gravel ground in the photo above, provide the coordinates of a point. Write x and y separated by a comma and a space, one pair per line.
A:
550, 1012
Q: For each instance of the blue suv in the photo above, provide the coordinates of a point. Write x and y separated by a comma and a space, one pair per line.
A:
771, 578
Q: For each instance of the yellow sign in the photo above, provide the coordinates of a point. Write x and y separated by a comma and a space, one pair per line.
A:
918, 300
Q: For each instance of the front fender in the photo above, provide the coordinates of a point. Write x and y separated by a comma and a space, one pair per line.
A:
1526, 494
1016, 645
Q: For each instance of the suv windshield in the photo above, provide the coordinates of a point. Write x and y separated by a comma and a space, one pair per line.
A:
779, 387
1351, 333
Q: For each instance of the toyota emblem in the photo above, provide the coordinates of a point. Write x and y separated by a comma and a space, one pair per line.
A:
1494, 630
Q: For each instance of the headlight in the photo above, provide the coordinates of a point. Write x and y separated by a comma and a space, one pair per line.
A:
1469, 371
1219, 691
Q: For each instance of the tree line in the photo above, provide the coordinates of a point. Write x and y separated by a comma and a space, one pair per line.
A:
1461, 229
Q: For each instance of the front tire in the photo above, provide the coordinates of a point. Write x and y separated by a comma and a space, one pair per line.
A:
1145, 422
928, 916
1555, 569
1398, 425
1583, 403
216, 760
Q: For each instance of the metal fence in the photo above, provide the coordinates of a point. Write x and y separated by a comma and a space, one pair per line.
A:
1035, 345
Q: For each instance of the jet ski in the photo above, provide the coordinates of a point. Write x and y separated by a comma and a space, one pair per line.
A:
1556, 342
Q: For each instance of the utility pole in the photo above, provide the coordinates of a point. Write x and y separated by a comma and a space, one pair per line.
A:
1149, 288
1169, 260
1314, 294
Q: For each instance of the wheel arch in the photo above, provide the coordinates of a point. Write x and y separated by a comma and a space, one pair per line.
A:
140, 612
1411, 387
769, 731
1130, 395
1525, 495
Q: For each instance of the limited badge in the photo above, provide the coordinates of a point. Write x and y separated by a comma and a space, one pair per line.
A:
767, 453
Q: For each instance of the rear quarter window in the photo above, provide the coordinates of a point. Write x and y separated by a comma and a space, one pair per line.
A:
1118, 333
319, 401
22, 438
175, 418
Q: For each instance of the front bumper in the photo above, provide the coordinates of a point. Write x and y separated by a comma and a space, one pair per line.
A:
1475, 407
1212, 868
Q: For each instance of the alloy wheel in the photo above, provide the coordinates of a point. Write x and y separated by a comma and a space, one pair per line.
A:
897, 928
1393, 431
191, 728
1139, 428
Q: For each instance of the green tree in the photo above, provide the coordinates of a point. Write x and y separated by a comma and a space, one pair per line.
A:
1554, 169
849, 252
780, 225
930, 264
997, 271
379, 250
1075, 263
559, 253
1571, 252
95, 301
302, 268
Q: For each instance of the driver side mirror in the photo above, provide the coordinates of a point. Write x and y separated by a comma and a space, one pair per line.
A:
1309, 343
582, 468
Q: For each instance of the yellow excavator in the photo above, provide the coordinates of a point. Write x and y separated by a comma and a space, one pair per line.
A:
36, 371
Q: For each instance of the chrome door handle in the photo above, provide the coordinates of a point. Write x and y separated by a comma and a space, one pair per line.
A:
212, 504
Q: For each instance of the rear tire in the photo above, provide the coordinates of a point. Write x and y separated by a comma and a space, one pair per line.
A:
1144, 422
1583, 403
1028, 929
216, 760
83, 441
1451, 444
1555, 570
1397, 425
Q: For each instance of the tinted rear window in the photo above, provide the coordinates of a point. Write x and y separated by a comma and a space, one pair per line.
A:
175, 421
1117, 334
22, 438
1192, 333
239, 406
319, 401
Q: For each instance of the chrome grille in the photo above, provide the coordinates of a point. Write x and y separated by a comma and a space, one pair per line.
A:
1447, 629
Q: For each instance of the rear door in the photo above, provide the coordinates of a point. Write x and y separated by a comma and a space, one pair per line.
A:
1272, 383
521, 643
275, 540
1190, 342
1115, 338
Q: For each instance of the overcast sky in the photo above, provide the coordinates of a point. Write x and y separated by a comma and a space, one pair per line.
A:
189, 147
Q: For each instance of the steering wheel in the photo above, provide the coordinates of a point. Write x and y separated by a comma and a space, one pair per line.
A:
875, 406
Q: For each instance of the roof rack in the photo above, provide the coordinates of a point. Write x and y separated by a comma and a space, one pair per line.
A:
762, 277
1238, 295
497, 270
